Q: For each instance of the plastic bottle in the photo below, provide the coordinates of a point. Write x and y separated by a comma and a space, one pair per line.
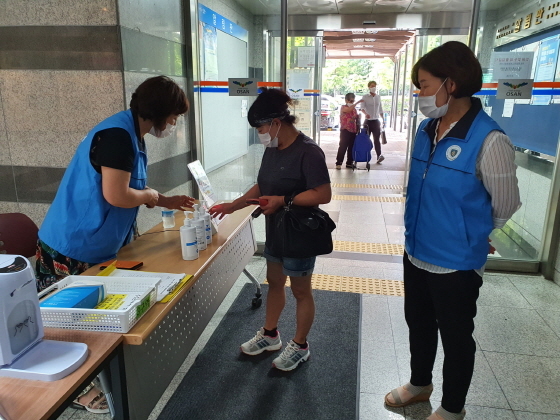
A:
168, 219
207, 227
200, 231
189, 246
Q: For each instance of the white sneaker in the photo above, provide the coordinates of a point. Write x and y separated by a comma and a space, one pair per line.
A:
380, 159
261, 342
291, 357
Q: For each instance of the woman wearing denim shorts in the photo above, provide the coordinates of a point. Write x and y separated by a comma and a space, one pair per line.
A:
293, 169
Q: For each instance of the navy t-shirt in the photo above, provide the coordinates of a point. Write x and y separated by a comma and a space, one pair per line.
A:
295, 169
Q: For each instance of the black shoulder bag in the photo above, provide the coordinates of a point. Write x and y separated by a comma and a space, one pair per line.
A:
303, 232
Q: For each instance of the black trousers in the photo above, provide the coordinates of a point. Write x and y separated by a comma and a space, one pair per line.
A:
345, 146
446, 302
374, 127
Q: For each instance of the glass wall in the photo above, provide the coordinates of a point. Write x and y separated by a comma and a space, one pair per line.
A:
233, 44
518, 41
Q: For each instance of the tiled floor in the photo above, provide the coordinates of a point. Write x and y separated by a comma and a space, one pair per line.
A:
517, 371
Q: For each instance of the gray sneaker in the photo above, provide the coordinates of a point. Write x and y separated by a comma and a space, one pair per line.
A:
380, 159
260, 343
291, 357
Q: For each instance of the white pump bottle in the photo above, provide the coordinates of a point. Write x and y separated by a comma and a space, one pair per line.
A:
189, 247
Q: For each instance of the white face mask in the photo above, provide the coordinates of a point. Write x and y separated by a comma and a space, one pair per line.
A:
267, 140
169, 129
373, 89
428, 107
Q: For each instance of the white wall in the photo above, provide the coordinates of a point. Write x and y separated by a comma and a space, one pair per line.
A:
225, 131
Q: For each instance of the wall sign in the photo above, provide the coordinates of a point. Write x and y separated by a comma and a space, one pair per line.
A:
514, 89
511, 65
528, 19
212, 18
242, 86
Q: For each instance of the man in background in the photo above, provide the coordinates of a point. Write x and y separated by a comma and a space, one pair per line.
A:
373, 111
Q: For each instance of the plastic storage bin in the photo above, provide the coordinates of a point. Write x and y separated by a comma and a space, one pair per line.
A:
106, 320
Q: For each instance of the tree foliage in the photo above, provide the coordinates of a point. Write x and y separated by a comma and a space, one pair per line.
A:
341, 76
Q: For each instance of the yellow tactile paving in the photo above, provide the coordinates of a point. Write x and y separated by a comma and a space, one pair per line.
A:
369, 248
356, 285
368, 198
372, 186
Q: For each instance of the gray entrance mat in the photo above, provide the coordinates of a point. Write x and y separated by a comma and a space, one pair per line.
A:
223, 383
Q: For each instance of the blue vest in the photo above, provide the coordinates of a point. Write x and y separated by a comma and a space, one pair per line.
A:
80, 223
448, 213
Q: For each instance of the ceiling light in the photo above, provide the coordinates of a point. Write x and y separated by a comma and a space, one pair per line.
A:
369, 22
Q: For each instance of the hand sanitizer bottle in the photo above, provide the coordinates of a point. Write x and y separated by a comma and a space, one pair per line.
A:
207, 227
200, 231
189, 246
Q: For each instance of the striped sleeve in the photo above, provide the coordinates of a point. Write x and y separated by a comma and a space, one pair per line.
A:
496, 168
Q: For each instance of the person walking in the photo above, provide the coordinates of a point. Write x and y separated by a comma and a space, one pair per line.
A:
293, 171
373, 111
462, 185
349, 126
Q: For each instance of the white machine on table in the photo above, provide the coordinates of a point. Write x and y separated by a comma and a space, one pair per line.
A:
23, 352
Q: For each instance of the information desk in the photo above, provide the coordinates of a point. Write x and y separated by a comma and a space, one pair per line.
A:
22, 399
158, 344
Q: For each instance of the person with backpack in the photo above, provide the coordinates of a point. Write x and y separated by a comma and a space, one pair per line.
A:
349, 126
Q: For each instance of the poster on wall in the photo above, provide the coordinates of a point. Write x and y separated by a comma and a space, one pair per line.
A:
298, 81
242, 86
210, 48
302, 111
511, 65
546, 67
306, 57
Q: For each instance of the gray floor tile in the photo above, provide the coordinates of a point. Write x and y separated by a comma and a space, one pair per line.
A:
395, 220
500, 291
371, 237
524, 415
475, 412
86, 415
421, 411
378, 370
359, 229
530, 383
389, 274
67, 414
514, 330
485, 390
541, 293
335, 268
552, 318
398, 322
372, 407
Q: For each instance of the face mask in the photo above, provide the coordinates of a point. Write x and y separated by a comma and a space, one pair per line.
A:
350, 103
428, 107
268, 141
373, 89
169, 129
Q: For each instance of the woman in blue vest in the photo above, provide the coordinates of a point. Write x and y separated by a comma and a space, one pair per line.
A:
94, 212
462, 185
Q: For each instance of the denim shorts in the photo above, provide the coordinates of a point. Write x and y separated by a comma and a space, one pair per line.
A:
297, 267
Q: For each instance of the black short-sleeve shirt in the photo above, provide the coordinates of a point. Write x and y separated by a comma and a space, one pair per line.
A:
298, 168
112, 148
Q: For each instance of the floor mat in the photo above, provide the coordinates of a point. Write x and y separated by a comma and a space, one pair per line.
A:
226, 384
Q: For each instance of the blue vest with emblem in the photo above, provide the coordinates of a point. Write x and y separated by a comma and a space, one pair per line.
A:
448, 213
80, 223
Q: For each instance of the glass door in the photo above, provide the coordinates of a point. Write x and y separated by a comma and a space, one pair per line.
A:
304, 65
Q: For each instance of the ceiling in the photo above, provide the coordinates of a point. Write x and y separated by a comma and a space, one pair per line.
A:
364, 43
322, 7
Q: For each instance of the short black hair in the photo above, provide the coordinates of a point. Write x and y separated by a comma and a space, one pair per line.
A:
157, 98
453, 60
349, 96
270, 104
